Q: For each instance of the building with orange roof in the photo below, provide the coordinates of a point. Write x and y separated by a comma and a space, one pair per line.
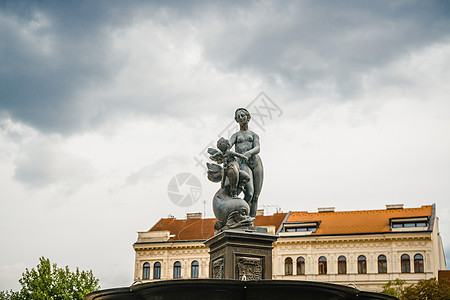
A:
365, 248
174, 247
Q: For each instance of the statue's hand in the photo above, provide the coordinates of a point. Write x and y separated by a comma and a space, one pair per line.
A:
247, 156
217, 157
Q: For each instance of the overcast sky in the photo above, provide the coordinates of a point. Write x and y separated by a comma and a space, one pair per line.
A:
103, 102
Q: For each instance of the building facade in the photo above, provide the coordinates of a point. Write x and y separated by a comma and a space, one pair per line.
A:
361, 248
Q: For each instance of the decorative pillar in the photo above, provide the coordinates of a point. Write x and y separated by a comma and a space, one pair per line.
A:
241, 254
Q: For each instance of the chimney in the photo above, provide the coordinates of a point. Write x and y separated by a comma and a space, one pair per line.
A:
394, 206
260, 212
196, 215
326, 209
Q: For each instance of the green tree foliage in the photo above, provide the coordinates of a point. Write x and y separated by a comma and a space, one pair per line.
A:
48, 281
429, 289
9, 295
394, 287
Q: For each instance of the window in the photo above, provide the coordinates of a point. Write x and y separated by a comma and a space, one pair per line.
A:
194, 269
301, 227
157, 270
410, 223
146, 271
342, 265
405, 263
382, 264
322, 265
177, 270
288, 266
300, 266
362, 265
418, 263
298, 229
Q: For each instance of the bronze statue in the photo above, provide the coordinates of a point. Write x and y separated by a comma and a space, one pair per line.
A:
246, 142
242, 171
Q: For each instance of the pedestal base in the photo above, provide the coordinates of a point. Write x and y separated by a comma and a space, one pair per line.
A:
243, 254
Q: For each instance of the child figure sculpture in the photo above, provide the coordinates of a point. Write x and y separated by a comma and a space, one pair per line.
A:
230, 210
230, 167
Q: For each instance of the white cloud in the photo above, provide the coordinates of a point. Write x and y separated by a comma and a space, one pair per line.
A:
42, 162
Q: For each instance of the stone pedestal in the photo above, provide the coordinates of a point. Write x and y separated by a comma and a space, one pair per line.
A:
241, 254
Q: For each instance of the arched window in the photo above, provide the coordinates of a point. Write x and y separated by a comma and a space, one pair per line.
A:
418, 263
194, 269
146, 271
288, 266
342, 265
177, 270
157, 270
362, 265
382, 264
300, 266
322, 265
405, 263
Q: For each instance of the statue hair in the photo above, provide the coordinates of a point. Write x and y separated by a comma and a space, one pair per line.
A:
223, 142
245, 111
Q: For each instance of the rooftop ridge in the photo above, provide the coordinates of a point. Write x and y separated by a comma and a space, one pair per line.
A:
365, 210
196, 228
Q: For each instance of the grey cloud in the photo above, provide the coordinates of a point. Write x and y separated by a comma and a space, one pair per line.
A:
48, 56
54, 53
309, 44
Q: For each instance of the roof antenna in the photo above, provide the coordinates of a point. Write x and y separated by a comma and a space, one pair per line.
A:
204, 208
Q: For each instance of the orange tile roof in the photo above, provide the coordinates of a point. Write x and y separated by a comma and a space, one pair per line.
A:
187, 229
275, 220
353, 222
202, 229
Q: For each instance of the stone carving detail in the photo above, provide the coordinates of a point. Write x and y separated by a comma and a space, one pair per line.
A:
219, 253
237, 171
218, 269
250, 251
251, 267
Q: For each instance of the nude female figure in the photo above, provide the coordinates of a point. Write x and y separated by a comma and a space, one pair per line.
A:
246, 142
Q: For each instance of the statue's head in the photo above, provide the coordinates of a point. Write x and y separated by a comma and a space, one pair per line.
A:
241, 115
223, 144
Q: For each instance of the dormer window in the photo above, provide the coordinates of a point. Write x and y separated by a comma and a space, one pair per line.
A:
302, 228
409, 224
405, 224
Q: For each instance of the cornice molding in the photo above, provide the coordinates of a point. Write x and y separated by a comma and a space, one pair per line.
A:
328, 240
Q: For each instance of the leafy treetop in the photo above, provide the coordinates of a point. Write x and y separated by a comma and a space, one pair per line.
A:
48, 281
